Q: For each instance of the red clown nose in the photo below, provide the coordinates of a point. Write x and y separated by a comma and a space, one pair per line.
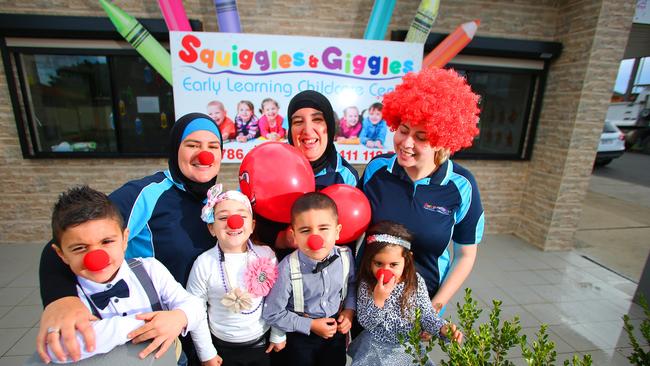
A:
96, 260
235, 222
315, 242
205, 158
387, 275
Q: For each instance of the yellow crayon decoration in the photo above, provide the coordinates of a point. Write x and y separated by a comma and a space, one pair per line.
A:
163, 120
140, 38
424, 18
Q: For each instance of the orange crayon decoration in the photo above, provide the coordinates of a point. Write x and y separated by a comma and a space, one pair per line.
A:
452, 45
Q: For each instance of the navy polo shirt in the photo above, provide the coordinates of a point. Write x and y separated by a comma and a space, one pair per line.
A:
441, 208
336, 172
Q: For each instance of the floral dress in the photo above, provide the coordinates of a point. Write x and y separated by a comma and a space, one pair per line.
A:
378, 344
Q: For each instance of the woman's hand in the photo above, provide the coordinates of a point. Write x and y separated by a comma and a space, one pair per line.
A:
452, 333
276, 347
216, 361
461, 266
60, 320
161, 326
382, 291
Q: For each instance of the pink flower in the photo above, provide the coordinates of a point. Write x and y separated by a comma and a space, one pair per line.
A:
260, 276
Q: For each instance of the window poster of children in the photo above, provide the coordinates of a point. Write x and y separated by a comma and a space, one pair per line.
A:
245, 82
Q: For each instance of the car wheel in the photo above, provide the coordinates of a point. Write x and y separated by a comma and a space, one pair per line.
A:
645, 145
603, 162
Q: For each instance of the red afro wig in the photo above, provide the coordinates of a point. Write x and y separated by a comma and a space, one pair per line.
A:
438, 100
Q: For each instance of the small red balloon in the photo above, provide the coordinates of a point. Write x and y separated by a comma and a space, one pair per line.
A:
96, 260
315, 242
235, 221
205, 158
388, 274
353, 209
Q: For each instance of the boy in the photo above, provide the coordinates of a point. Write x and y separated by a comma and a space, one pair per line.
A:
314, 297
90, 237
374, 128
217, 112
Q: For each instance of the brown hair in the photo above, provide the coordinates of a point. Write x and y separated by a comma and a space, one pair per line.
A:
408, 276
313, 201
267, 100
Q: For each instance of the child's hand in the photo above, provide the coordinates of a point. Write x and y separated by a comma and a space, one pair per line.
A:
272, 136
324, 327
452, 333
241, 139
161, 326
225, 136
217, 361
382, 291
379, 145
345, 321
370, 144
276, 347
340, 139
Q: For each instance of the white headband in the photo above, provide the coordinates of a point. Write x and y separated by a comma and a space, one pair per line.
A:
390, 239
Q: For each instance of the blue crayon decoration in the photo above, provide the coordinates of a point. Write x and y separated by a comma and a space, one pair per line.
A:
228, 16
379, 19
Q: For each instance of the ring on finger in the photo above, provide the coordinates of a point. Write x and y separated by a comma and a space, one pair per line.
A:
53, 330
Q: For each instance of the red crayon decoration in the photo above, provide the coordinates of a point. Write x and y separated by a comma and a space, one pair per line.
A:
96, 260
315, 242
206, 158
235, 221
452, 45
388, 274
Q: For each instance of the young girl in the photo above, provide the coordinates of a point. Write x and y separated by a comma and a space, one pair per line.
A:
389, 292
246, 121
271, 122
349, 126
233, 277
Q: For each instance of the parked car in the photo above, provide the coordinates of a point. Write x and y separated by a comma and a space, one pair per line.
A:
611, 146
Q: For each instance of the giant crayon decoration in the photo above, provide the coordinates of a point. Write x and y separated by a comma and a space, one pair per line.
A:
227, 16
140, 38
452, 45
379, 19
174, 15
424, 18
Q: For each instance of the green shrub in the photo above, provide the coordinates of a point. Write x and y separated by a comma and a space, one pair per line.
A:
639, 356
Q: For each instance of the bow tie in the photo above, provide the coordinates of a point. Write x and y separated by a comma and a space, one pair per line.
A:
101, 299
322, 264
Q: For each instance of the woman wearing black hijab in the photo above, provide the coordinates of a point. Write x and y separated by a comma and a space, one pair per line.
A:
311, 129
163, 213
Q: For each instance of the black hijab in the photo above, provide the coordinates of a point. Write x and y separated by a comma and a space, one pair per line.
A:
198, 190
316, 100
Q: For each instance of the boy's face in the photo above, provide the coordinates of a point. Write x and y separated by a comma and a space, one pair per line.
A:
352, 116
321, 222
230, 238
216, 114
374, 115
77, 241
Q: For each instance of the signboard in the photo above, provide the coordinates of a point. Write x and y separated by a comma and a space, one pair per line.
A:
224, 69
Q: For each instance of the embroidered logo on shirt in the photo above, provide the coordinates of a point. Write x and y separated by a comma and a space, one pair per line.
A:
438, 209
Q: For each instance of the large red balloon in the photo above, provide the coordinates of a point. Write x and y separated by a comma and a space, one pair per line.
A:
353, 208
273, 175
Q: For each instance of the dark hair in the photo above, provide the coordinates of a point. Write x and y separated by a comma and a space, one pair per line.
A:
313, 201
370, 250
378, 106
79, 205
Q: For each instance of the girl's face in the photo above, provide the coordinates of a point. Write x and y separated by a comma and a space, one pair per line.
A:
413, 149
188, 160
390, 258
351, 117
270, 111
244, 111
231, 239
374, 115
309, 132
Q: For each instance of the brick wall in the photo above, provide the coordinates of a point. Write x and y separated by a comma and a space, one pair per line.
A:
594, 35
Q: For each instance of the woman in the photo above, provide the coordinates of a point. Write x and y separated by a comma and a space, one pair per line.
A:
163, 214
434, 114
312, 127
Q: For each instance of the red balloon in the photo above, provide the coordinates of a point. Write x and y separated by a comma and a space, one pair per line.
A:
315, 242
96, 260
205, 158
273, 175
388, 274
353, 208
235, 221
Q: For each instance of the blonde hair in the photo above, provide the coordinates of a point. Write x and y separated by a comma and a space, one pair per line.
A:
441, 156
218, 104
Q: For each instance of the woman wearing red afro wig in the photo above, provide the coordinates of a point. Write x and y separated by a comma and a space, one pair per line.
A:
434, 113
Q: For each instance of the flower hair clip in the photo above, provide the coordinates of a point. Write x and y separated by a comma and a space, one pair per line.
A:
390, 239
207, 212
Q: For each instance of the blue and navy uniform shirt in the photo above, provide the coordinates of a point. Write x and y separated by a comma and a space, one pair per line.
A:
341, 172
158, 204
441, 208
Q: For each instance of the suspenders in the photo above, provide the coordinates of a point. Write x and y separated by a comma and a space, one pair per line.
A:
296, 279
145, 281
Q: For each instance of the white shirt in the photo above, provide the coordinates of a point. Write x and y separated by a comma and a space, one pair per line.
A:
206, 281
118, 317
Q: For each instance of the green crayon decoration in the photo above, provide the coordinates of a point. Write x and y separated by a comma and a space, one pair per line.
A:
140, 38
424, 18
